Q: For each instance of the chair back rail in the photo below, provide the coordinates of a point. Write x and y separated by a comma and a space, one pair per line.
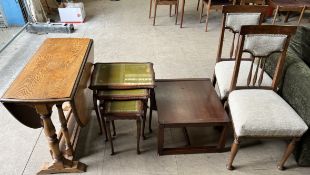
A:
233, 18
253, 39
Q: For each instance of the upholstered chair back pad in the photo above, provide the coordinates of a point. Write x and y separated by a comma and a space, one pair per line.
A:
236, 16
260, 43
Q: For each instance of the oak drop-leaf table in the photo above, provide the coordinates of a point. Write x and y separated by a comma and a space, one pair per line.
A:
57, 73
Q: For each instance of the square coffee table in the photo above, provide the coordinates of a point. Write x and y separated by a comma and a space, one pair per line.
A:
185, 103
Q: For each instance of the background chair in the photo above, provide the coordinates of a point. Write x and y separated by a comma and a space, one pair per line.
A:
257, 111
233, 18
288, 6
213, 4
164, 2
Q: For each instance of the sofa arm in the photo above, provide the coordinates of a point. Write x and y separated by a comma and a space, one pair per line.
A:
271, 63
297, 93
296, 89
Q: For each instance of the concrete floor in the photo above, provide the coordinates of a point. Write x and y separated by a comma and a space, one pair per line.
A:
122, 32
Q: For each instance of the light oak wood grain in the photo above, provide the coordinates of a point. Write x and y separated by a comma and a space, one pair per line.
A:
52, 71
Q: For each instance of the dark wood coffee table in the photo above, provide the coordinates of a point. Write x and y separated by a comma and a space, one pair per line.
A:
185, 103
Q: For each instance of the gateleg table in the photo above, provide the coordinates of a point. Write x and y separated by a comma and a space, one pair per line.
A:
58, 73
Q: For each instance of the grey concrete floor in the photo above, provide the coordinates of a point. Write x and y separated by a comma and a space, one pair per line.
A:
122, 32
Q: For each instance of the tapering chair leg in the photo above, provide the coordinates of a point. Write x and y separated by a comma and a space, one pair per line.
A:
233, 152
175, 9
198, 4
170, 9
301, 14
113, 126
201, 12
150, 12
290, 148
110, 136
138, 135
275, 15
208, 12
176, 13
155, 14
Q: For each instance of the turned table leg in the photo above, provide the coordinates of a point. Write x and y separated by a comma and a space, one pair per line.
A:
64, 130
59, 164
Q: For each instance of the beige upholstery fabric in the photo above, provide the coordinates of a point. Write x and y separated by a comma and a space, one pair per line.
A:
263, 113
235, 20
224, 72
263, 45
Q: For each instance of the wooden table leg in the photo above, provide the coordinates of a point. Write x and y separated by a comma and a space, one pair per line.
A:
160, 138
222, 140
95, 100
153, 106
59, 164
64, 130
182, 16
188, 142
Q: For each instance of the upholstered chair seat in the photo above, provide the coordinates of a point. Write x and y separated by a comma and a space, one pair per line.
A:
263, 113
224, 72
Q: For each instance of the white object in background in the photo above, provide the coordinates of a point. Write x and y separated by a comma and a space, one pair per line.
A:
73, 12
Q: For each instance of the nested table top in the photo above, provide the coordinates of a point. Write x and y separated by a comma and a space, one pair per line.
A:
52, 71
189, 102
127, 75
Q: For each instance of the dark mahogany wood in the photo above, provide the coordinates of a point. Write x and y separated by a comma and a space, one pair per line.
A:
189, 103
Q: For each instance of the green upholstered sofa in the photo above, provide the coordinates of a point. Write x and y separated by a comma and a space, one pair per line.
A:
295, 85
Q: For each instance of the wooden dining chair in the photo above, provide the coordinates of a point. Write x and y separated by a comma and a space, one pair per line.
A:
289, 6
256, 110
214, 4
233, 18
164, 2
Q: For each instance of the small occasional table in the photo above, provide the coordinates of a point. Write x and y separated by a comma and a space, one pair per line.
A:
122, 76
189, 103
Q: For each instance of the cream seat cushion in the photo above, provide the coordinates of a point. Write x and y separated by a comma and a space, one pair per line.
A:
224, 72
257, 112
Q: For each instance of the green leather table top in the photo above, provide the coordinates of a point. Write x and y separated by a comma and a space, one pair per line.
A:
133, 106
123, 94
122, 76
